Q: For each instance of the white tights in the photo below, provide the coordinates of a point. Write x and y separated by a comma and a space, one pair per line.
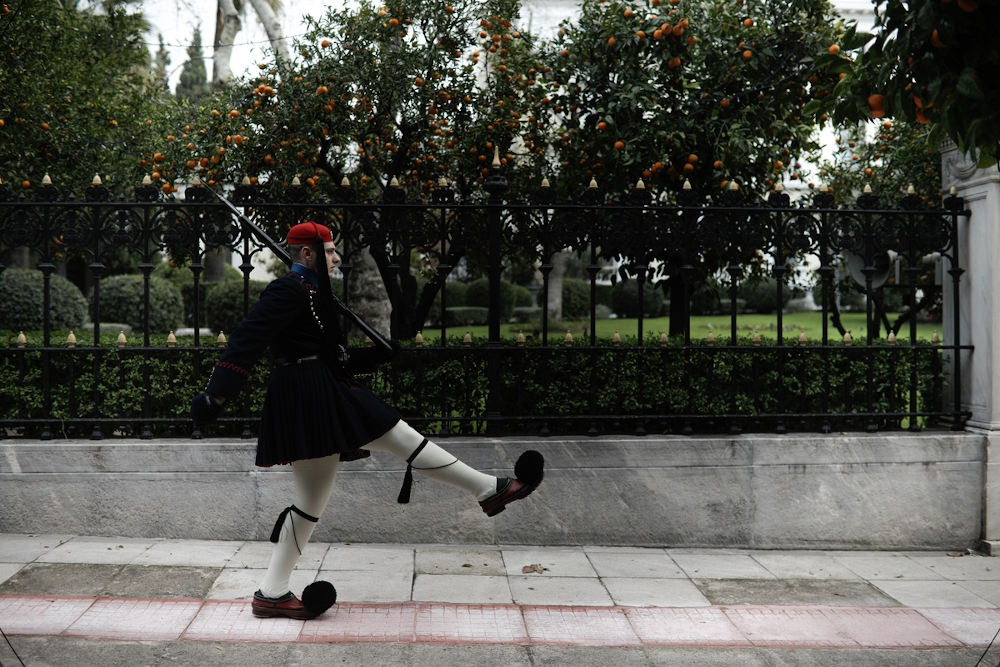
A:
314, 483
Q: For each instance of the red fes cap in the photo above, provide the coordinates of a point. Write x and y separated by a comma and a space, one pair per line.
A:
306, 232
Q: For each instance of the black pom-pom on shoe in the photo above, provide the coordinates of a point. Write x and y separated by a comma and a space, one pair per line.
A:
530, 467
319, 596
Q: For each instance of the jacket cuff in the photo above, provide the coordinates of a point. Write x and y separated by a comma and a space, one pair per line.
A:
227, 379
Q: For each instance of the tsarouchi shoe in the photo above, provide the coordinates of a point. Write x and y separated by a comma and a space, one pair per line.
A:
287, 606
529, 471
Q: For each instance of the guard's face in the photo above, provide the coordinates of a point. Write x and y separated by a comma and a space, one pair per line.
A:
332, 257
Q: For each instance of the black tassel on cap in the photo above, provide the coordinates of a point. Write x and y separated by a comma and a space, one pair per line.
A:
404, 492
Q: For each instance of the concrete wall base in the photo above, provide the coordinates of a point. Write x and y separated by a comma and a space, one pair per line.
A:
843, 491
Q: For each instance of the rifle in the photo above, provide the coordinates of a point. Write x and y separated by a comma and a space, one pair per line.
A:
283, 255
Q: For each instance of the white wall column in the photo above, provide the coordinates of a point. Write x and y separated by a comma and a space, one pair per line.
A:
979, 320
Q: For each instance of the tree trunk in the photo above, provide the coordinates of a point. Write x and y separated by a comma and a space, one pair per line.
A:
272, 26
560, 261
227, 26
366, 293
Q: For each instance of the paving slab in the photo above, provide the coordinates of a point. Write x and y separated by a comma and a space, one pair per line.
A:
459, 588
804, 566
721, 566
932, 594
197, 553
886, 566
548, 562
648, 592
653, 565
570, 591
119, 551
15, 548
443, 560
793, 591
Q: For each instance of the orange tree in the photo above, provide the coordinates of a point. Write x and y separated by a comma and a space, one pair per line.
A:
677, 90
78, 97
931, 62
409, 91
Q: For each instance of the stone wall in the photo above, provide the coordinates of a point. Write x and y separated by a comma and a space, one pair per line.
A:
849, 491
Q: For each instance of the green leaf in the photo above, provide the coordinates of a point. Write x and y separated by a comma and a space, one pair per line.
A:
968, 86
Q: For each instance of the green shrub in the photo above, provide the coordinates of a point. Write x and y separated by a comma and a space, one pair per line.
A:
511, 296
21, 301
575, 299
182, 278
625, 299
224, 303
466, 315
761, 296
122, 301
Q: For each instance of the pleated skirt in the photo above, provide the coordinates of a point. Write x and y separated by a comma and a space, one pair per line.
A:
309, 413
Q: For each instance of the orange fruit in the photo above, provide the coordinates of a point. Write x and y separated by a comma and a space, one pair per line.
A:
968, 5
834, 49
724, 103
748, 23
619, 145
748, 54
325, 43
657, 34
322, 90
674, 63
602, 126
25, 183
628, 13
717, 164
612, 41
419, 81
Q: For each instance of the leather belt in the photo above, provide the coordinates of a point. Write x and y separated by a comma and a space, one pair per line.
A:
289, 362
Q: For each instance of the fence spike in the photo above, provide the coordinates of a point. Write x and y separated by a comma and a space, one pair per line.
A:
545, 182
664, 340
122, 340
221, 340
295, 181
97, 180
443, 182
146, 180
710, 338
418, 340
639, 185
593, 184
847, 338
22, 340
46, 180
520, 339
496, 157
568, 340
71, 340
467, 339
616, 339
733, 185
171, 340
345, 182
246, 180
911, 190
935, 339
687, 185
802, 339
394, 183
756, 337
892, 338
779, 187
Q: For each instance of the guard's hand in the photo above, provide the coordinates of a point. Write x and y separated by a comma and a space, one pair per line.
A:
205, 408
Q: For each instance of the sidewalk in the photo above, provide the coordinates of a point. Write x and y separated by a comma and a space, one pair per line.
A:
66, 597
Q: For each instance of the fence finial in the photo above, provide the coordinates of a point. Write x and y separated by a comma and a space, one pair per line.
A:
710, 338
867, 189
568, 340
246, 180
97, 180
221, 340
802, 339
496, 157
847, 338
639, 185
22, 340
467, 339
520, 339
935, 338
664, 340
545, 182
778, 187
892, 338
687, 185
756, 337
46, 180
593, 184
122, 340
443, 182
733, 185
418, 340
616, 339
394, 182
295, 181
345, 182
911, 190
146, 180
71, 340
171, 340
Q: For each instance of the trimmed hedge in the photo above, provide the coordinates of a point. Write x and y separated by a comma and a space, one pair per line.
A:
224, 303
445, 389
122, 301
22, 301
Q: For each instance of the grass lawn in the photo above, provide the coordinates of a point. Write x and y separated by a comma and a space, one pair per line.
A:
794, 324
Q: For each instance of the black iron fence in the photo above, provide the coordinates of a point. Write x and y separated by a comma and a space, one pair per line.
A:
98, 383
